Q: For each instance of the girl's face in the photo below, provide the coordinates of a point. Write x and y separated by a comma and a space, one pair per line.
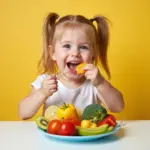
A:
73, 48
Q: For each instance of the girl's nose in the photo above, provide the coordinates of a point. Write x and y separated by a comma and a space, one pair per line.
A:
75, 52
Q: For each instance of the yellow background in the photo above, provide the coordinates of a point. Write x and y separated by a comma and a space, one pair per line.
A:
129, 50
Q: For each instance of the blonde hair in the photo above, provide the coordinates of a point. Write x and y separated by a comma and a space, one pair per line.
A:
99, 35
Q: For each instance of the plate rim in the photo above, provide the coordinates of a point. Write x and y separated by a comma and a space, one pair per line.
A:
78, 138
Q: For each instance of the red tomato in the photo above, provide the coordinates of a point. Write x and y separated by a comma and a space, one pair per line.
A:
76, 122
54, 126
67, 129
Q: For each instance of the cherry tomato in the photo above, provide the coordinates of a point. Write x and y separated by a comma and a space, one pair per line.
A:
67, 129
54, 126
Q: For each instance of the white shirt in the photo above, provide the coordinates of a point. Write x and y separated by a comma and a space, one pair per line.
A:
80, 97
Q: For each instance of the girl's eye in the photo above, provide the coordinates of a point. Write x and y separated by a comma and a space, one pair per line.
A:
84, 47
66, 46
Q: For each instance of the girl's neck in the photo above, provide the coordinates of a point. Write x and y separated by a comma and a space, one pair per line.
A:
72, 83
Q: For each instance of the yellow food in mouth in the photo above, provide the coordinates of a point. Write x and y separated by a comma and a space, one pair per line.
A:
79, 68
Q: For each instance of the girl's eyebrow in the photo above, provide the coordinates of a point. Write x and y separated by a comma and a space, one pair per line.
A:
86, 42
65, 42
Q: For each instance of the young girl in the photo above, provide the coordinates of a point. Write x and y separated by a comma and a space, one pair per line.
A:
67, 42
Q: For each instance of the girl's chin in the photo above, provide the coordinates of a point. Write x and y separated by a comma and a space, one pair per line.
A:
71, 76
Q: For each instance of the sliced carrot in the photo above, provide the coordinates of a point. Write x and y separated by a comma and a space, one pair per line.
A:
79, 68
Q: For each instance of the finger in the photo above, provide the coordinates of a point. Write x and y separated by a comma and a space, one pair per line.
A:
51, 77
89, 67
88, 73
88, 76
52, 81
52, 86
53, 90
93, 72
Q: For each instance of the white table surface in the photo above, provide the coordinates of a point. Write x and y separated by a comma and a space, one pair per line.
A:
24, 135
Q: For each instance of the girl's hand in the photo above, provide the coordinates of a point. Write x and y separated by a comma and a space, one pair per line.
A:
49, 85
92, 73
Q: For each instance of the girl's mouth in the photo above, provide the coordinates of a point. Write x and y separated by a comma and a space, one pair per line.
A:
72, 66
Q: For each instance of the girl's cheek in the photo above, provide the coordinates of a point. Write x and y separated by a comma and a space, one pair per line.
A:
88, 59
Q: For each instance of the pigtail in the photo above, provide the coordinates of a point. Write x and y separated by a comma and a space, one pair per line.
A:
48, 28
48, 33
102, 40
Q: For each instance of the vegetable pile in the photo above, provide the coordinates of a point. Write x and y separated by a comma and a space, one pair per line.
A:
68, 120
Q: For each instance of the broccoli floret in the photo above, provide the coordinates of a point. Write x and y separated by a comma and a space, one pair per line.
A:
94, 113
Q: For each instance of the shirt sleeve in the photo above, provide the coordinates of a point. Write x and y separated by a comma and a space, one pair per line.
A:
38, 81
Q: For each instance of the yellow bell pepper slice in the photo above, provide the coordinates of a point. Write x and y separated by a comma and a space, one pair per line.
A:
79, 68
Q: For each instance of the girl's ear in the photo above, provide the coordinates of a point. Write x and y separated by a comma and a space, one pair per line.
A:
52, 53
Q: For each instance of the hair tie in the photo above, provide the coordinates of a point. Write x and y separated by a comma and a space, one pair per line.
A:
92, 20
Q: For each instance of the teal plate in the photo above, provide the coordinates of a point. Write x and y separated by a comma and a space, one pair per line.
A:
80, 138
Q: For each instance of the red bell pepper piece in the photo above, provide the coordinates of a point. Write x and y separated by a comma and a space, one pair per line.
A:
109, 119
